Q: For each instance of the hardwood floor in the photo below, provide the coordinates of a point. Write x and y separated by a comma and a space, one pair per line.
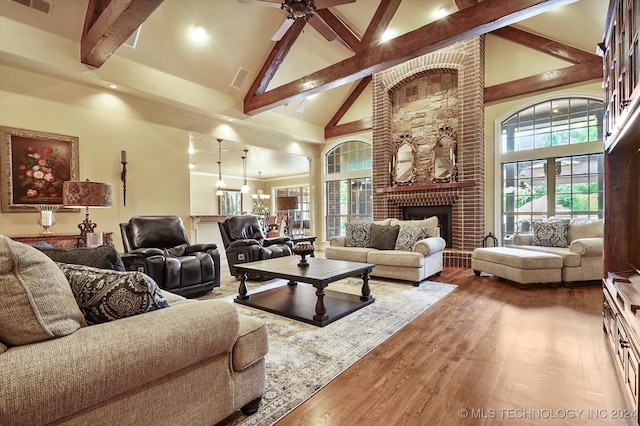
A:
489, 351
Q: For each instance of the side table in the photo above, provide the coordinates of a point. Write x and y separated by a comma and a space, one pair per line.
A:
58, 240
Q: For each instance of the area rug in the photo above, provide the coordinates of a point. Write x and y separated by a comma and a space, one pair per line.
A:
303, 358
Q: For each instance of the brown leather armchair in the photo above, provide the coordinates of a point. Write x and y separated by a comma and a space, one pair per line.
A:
159, 247
244, 241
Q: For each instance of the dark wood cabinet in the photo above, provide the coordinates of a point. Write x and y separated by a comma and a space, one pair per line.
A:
622, 137
621, 70
621, 287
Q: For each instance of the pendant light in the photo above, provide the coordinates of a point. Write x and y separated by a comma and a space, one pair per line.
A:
220, 183
245, 188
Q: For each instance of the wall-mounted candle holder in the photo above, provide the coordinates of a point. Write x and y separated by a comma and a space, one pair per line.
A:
123, 176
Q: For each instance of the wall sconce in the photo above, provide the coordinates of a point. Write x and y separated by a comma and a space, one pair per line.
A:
123, 176
220, 183
245, 188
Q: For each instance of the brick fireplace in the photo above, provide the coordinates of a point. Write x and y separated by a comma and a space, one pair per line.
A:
446, 88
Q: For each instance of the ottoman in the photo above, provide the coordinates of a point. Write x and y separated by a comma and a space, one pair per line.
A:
521, 266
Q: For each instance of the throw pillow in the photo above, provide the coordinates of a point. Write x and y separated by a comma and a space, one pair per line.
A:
358, 234
36, 302
383, 237
104, 295
430, 223
551, 233
103, 257
408, 236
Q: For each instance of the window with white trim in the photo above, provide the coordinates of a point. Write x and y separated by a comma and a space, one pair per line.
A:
551, 163
348, 189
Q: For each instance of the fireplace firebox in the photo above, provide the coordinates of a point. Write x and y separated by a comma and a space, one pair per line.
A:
443, 213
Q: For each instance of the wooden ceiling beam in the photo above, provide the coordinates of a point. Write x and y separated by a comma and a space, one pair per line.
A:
108, 24
463, 4
573, 74
345, 34
482, 18
275, 59
349, 128
378, 25
545, 45
353, 96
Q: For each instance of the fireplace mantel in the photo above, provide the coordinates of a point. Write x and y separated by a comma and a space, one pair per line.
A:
429, 187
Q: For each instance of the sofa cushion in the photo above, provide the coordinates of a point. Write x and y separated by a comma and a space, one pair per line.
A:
408, 236
585, 228
358, 234
383, 237
252, 343
407, 259
552, 233
350, 254
104, 295
518, 258
36, 302
103, 257
377, 222
430, 223
569, 258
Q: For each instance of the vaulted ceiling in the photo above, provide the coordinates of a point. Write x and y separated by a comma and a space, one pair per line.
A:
308, 85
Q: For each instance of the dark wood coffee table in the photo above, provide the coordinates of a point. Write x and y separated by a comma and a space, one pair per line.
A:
311, 304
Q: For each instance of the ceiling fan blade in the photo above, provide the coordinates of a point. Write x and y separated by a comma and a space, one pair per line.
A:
320, 26
282, 30
323, 4
268, 3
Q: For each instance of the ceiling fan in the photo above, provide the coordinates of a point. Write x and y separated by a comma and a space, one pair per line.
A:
301, 9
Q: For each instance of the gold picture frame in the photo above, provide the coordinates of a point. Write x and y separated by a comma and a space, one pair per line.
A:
34, 165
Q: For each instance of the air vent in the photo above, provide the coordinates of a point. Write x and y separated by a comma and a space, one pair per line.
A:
133, 39
41, 6
240, 77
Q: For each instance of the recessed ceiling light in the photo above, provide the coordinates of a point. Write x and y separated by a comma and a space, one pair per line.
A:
440, 13
192, 166
229, 119
388, 35
113, 86
200, 32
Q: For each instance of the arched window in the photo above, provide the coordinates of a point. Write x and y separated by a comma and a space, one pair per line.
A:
348, 186
551, 163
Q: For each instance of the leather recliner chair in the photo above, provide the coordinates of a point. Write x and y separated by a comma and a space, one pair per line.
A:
244, 241
159, 247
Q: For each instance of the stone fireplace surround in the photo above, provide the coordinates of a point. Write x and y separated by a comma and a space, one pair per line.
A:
466, 197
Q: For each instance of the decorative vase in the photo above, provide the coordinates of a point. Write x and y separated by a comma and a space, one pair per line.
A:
47, 217
303, 249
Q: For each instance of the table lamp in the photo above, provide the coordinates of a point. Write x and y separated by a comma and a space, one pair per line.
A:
84, 193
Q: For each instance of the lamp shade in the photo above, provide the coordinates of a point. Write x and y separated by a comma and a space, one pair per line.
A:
286, 203
84, 193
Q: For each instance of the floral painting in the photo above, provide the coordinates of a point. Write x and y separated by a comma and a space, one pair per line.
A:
35, 165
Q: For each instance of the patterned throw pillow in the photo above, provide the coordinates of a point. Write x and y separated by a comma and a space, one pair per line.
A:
36, 302
383, 237
358, 234
552, 233
104, 295
408, 236
103, 257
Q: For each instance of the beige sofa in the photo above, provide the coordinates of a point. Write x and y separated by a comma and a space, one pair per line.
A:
424, 257
526, 263
582, 260
195, 362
